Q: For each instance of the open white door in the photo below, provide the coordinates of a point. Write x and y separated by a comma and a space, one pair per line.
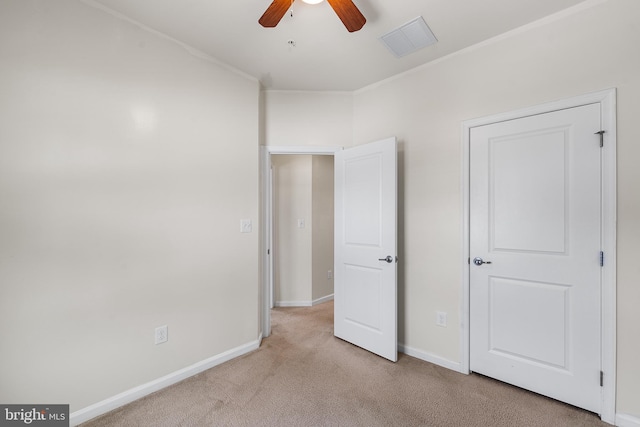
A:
365, 247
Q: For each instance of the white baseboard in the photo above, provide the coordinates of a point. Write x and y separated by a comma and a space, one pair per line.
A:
293, 303
136, 393
431, 358
621, 420
303, 303
625, 420
321, 300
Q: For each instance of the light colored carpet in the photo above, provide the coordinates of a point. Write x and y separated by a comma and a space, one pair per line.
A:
303, 376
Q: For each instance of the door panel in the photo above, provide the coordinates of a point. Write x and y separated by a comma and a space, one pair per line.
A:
513, 303
529, 186
535, 216
365, 234
363, 296
362, 198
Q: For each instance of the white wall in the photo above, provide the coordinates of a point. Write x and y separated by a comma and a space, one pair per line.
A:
125, 167
589, 51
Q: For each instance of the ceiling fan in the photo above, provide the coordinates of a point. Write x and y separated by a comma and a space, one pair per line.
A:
348, 13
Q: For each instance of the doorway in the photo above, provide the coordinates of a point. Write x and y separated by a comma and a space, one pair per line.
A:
497, 336
267, 224
365, 243
302, 229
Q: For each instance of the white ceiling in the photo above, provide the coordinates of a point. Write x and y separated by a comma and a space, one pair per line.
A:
326, 56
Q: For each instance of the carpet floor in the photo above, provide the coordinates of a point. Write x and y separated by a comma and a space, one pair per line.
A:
303, 376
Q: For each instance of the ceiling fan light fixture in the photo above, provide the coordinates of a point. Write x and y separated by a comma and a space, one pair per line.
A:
312, 1
348, 13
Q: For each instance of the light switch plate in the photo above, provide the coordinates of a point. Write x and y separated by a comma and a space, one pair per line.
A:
245, 226
161, 334
441, 318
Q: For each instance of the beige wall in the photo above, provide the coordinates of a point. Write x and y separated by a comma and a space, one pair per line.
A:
592, 50
308, 118
126, 165
322, 217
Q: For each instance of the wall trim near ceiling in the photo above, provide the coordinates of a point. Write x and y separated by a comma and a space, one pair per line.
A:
607, 101
143, 390
314, 92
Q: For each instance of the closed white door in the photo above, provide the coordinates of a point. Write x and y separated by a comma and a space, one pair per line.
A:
535, 236
365, 291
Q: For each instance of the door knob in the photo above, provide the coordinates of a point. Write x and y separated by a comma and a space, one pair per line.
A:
480, 261
389, 259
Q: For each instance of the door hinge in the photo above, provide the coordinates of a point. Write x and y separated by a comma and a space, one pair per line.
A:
601, 259
601, 379
601, 133
469, 260
268, 251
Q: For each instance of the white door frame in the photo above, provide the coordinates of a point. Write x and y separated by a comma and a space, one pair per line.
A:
266, 222
607, 100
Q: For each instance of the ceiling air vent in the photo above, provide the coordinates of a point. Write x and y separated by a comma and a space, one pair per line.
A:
409, 37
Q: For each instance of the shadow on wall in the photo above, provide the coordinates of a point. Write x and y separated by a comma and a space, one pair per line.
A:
401, 244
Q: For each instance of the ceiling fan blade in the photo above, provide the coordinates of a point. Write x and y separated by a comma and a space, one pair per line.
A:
349, 14
274, 13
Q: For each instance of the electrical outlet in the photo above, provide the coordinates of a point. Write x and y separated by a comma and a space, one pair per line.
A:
329, 275
245, 226
300, 223
162, 334
441, 318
